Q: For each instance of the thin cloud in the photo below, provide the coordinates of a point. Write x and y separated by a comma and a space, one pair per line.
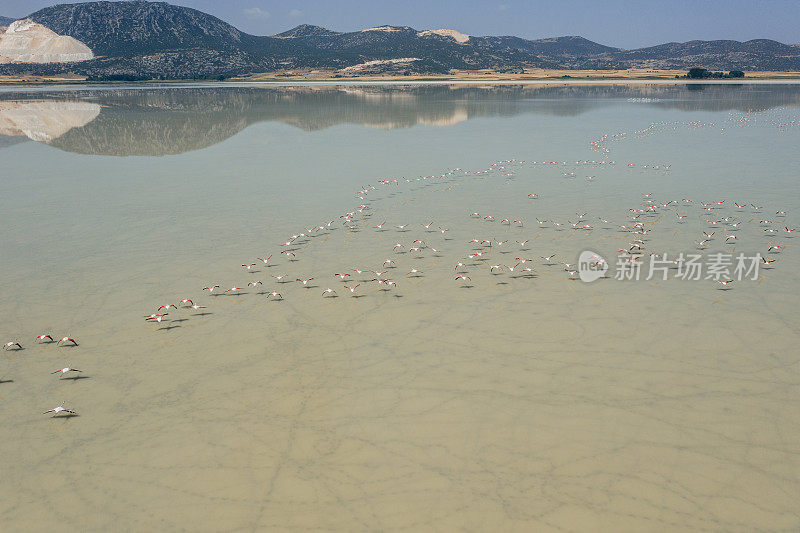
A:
295, 13
257, 13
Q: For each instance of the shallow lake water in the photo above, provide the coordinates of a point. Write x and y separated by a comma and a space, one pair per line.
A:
521, 400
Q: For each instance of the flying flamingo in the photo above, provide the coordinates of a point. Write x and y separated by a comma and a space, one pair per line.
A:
65, 370
67, 339
59, 409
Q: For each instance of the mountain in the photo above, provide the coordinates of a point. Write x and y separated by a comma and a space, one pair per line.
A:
156, 40
757, 54
5, 21
572, 46
307, 30
127, 29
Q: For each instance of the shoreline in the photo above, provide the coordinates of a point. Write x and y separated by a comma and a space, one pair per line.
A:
330, 78
179, 84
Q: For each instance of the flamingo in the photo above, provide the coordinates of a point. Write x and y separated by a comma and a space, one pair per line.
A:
59, 409
9, 344
65, 370
45, 336
67, 339
353, 288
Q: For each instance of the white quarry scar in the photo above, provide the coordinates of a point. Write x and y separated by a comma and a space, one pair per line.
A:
26, 41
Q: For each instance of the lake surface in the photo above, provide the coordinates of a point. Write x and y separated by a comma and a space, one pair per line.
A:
521, 400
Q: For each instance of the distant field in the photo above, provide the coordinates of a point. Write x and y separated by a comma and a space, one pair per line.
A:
479, 75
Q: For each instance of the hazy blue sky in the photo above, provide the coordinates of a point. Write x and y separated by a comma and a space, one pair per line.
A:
624, 23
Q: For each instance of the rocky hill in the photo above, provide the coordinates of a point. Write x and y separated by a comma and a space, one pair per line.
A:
307, 30
146, 40
129, 29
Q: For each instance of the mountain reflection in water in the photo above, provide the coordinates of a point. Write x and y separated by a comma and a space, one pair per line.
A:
163, 121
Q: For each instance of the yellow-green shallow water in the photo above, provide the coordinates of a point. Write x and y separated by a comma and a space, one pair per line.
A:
521, 401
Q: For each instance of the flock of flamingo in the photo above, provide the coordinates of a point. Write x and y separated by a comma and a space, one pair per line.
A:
484, 254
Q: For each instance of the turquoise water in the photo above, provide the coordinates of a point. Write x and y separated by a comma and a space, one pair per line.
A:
519, 400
